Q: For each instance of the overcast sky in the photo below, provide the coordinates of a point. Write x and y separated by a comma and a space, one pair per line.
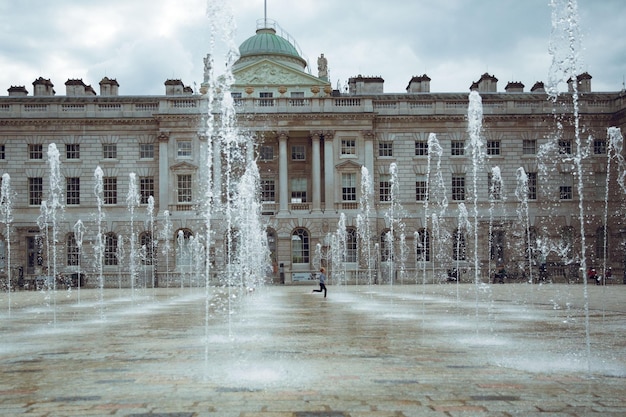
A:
142, 43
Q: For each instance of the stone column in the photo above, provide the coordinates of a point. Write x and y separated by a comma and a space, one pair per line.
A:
329, 171
283, 188
316, 174
164, 170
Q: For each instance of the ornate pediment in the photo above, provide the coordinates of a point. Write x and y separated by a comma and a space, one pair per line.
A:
267, 73
348, 165
183, 166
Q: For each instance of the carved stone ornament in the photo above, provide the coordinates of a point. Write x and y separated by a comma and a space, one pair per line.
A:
249, 90
268, 74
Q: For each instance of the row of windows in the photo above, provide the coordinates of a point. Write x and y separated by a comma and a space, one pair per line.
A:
457, 148
73, 191
349, 193
72, 151
300, 247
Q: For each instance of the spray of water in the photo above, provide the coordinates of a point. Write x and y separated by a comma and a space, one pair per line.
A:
99, 243
6, 217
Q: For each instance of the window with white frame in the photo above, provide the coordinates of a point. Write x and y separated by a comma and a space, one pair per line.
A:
109, 150
184, 194
385, 148
298, 190
146, 150
348, 186
421, 148
298, 153
183, 148
348, 146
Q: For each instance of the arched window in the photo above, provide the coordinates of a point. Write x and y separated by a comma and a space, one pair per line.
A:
459, 243
422, 247
300, 246
147, 248
72, 250
385, 246
271, 243
601, 251
497, 246
110, 249
183, 248
351, 245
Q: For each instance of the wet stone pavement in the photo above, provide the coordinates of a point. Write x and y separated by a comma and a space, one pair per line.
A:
366, 351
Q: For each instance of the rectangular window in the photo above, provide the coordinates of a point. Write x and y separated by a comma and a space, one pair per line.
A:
2, 152
184, 188
421, 188
421, 148
298, 190
110, 249
183, 148
146, 150
567, 186
146, 188
348, 187
529, 147
73, 252
298, 153
266, 153
35, 191
532, 185
72, 151
268, 190
458, 187
348, 147
493, 147
385, 148
35, 151
72, 191
384, 187
457, 148
109, 185
266, 99
599, 147
565, 147
109, 150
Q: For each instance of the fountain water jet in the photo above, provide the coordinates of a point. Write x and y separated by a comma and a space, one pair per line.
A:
6, 217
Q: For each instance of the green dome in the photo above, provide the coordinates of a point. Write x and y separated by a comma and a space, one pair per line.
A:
266, 42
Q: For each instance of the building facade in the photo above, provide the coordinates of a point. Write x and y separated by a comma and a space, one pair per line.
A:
355, 164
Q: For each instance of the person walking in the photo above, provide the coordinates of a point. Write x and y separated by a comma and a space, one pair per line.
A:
322, 281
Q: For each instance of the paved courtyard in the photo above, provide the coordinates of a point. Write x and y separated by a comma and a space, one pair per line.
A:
433, 350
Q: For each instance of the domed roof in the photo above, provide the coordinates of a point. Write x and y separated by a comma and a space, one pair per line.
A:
266, 42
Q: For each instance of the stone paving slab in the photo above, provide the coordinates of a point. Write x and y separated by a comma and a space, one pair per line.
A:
434, 350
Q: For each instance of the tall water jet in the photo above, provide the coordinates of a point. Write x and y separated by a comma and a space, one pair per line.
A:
565, 47
521, 192
120, 254
614, 151
495, 196
151, 250
79, 233
464, 227
99, 242
474, 128
436, 192
6, 217
132, 201
394, 219
166, 236
364, 227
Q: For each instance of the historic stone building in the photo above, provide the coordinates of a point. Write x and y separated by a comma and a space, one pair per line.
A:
312, 143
